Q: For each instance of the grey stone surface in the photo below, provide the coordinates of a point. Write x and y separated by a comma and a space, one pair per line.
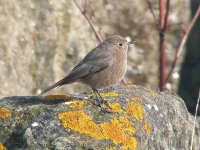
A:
35, 123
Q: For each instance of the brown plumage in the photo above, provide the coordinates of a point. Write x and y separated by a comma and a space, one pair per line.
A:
103, 66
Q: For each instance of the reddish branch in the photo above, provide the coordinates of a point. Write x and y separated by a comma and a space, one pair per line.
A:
166, 15
162, 27
88, 18
163, 17
182, 43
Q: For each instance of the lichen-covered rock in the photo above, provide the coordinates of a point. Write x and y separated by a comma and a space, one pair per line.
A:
139, 118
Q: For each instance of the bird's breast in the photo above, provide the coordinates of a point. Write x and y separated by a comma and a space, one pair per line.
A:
109, 76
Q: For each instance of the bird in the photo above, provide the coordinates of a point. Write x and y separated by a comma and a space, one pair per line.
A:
102, 67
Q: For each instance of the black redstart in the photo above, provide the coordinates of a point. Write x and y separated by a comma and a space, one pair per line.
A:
103, 66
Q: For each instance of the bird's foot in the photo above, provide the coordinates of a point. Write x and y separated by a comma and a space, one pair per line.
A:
105, 106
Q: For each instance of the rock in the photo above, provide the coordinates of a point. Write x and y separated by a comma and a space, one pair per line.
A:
139, 119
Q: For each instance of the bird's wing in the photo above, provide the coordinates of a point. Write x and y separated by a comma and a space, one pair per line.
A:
95, 61
85, 69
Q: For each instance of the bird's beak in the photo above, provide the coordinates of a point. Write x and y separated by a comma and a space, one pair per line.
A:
131, 43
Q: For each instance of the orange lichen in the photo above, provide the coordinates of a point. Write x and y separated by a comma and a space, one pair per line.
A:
147, 128
76, 104
2, 147
151, 92
119, 130
135, 110
5, 113
107, 94
52, 97
115, 108
80, 122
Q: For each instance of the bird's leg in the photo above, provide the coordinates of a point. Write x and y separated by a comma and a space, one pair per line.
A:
101, 101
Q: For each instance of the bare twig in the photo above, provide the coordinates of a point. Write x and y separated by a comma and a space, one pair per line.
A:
88, 18
166, 14
162, 27
195, 119
153, 14
182, 43
162, 45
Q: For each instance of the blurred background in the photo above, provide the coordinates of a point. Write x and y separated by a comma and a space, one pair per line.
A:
41, 41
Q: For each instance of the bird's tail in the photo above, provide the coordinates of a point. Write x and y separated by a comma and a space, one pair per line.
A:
57, 84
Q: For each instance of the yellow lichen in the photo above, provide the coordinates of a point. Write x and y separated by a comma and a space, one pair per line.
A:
119, 130
80, 122
115, 108
137, 98
135, 110
129, 85
147, 128
5, 113
151, 92
2, 147
107, 94
76, 104
52, 97
111, 148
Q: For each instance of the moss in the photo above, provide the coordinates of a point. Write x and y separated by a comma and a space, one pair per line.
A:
147, 128
135, 110
30, 115
77, 104
106, 94
119, 130
2, 147
52, 97
5, 113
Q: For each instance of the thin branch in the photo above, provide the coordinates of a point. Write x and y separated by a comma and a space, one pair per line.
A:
162, 13
153, 14
182, 43
166, 14
92, 25
162, 57
195, 119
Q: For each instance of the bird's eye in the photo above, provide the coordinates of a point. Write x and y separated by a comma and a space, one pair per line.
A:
120, 44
